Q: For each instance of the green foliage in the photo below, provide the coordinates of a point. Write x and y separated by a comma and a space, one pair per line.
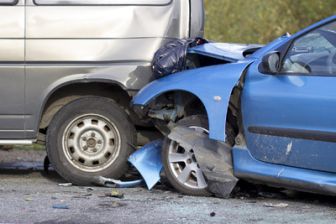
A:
260, 21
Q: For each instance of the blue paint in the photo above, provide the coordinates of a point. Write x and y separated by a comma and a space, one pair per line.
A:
60, 206
147, 161
247, 167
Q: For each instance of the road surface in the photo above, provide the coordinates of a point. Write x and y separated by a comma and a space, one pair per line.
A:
28, 195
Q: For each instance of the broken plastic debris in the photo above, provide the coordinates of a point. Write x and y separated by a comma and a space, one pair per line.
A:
60, 206
147, 161
279, 205
65, 184
107, 182
115, 194
212, 214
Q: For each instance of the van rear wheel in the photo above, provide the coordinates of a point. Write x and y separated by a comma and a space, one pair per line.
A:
89, 137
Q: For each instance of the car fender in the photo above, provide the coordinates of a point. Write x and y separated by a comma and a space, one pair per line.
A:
213, 86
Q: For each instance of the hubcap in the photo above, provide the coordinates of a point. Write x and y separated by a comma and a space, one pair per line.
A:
91, 142
184, 166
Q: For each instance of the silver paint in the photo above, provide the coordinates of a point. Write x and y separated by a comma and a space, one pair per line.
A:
49, 46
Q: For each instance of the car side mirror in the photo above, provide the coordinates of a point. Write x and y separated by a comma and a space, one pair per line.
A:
270, 63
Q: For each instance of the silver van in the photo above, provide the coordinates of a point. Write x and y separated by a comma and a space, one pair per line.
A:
69, 68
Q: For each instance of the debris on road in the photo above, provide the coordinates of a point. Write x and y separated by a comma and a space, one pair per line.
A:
89, 189
279, 205
112, 183
28, 199
84, 196
60, 206
65, 184
147, 161
115, 194
212, 214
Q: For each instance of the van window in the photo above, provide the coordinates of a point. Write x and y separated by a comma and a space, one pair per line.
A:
8, 2
102, 2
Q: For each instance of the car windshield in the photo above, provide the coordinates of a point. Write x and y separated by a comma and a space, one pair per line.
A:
313, 52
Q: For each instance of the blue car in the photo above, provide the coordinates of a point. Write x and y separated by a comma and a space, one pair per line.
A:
264, 114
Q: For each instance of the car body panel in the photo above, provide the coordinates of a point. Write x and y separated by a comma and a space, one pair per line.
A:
215, 99
296, 112
248, 168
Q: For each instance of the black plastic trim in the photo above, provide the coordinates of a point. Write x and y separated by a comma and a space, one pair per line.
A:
295, 133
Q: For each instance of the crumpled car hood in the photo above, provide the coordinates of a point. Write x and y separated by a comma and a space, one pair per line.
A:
225, 51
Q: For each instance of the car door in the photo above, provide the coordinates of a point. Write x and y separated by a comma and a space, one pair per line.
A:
290, 118
12, 74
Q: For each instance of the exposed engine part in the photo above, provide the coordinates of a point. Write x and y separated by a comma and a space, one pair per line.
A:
163, 114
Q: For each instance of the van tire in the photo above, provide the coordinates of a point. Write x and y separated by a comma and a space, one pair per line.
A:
87, 128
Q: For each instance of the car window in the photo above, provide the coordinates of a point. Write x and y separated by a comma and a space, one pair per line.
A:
313, 53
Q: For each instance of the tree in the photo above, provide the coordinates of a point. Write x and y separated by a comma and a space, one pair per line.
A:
260, 21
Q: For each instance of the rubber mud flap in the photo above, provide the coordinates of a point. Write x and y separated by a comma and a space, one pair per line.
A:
213, 157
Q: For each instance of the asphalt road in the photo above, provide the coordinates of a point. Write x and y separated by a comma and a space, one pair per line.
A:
27, 195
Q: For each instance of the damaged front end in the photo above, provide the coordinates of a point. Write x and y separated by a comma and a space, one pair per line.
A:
193, 92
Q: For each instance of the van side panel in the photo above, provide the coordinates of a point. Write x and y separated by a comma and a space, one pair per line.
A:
12, 71
101, 33
78, 43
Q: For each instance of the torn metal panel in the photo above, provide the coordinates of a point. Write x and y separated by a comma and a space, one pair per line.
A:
147, 161
213, 157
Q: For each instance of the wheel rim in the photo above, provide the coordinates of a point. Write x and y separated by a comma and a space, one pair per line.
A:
91, 142
184, 166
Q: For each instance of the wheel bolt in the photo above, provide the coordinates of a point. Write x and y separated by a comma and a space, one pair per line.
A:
93, 134
99, 142
94, 150
189, 161
85, 148
84, 138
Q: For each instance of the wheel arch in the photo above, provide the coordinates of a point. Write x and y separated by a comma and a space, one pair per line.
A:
66, 92
214, 111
